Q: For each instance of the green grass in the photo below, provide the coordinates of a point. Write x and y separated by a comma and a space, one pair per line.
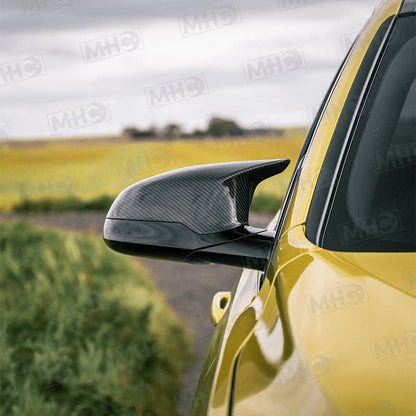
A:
82, 329
264, 203
69, 204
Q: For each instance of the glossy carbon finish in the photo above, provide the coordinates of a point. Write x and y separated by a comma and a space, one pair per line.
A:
242, 247
206, 198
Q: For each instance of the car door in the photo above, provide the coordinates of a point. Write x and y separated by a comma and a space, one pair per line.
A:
253, 365
335, 334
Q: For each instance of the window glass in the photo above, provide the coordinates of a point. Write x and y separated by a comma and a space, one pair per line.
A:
373, 208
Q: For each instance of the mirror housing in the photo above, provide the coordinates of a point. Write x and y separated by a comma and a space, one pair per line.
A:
197, 214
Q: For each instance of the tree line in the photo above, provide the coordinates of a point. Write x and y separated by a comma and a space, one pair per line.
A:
216, 127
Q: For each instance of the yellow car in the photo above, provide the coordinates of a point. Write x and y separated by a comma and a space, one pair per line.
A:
323, 319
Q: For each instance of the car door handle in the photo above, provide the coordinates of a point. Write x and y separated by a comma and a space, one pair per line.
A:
219, 306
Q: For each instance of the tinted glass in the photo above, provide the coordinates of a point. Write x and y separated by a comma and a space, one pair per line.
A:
374, 205
328, 169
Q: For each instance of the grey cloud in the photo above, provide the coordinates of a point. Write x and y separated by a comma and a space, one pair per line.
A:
316, 26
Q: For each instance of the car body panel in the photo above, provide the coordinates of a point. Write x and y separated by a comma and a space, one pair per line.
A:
336, 347
320, 336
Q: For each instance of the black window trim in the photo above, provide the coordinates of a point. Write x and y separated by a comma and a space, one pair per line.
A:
304, 151
308, 143
350, 133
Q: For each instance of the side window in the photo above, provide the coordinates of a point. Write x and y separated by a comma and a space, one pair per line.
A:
320, 195
373, 206
307, 143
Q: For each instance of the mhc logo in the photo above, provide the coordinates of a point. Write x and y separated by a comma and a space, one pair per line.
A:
5, 133
384, 223
341, 297
347, 41
22, 69
29, 7
272, 65
307, 181
260, 127
317, 366
132, 166
178, 90
389, 347
112, 45
78, 117
395, 157
330, 115
209, 19
335, 111
61, 185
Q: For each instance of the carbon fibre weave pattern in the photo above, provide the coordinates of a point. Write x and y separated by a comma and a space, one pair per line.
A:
205, 198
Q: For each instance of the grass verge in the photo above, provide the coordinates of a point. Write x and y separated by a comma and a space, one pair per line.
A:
69, 204
83, 331
263, 203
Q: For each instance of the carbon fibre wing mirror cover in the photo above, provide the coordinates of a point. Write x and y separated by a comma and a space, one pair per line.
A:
197, 214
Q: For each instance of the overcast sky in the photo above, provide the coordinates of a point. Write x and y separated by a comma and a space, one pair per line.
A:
81, 67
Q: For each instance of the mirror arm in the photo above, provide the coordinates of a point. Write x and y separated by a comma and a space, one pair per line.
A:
251, 251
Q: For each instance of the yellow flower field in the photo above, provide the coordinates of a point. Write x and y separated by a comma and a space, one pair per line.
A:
88, 169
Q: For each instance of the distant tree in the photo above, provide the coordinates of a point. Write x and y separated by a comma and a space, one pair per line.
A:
219, 127
135, 133
198, 133
172, 131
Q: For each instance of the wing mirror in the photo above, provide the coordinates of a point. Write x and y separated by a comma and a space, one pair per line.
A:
197, 214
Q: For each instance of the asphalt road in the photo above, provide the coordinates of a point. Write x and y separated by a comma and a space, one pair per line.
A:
187, 288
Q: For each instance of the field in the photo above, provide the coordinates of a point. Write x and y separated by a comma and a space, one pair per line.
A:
83, 330
90, 169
